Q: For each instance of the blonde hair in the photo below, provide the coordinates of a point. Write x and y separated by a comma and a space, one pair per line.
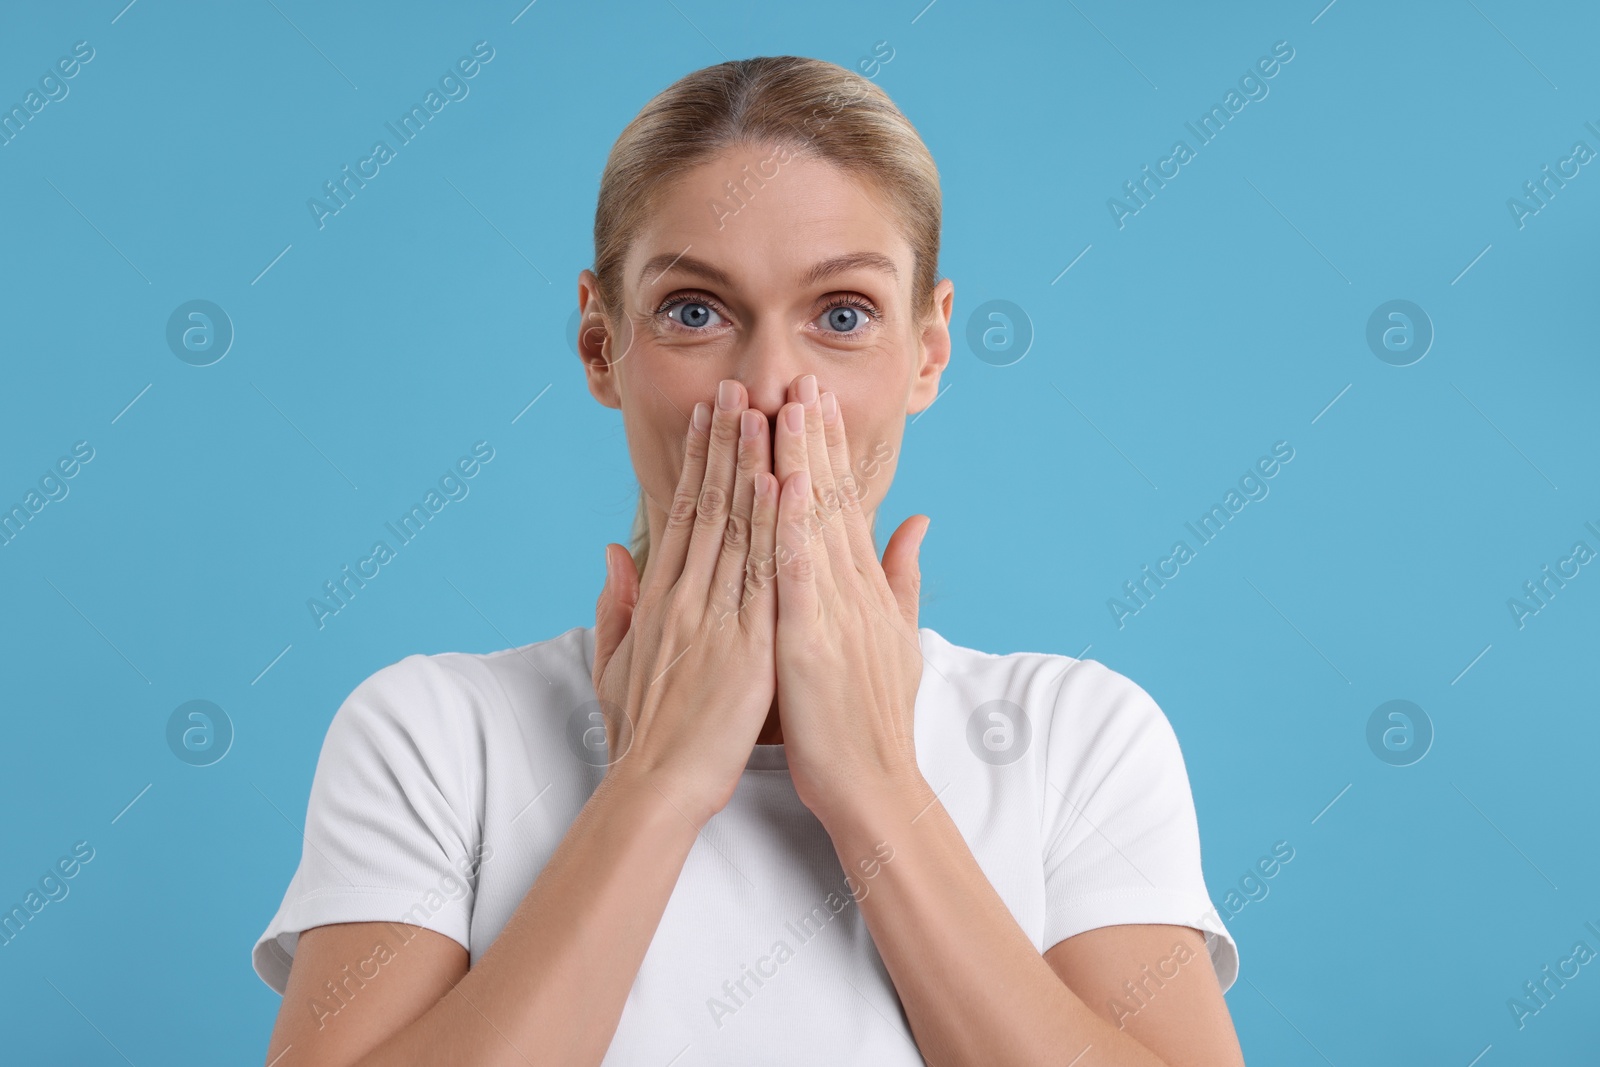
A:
811, 107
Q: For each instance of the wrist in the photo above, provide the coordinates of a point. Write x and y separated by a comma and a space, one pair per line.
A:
643, 801
882, 810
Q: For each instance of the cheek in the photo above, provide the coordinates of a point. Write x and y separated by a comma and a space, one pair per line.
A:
664, 447
656, 412
873, 455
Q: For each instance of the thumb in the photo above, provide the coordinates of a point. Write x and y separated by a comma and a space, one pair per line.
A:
902, 565
613, 612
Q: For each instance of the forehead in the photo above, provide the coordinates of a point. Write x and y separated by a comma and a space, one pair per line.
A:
745, 220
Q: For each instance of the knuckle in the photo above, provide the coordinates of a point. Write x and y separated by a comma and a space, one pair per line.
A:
748, 457
827, 500
683, 509
799, 529
816, 520
726, 431
694, 452
801, 567
797, 562
713, 504
736, 537
850, 492
762, 508
759, 570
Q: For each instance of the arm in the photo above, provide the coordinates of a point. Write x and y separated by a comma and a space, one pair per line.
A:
557, 977
549, 990
1176, 1007
975, 988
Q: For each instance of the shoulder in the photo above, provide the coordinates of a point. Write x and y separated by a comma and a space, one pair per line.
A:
1104, 772
425, 704
1068, 704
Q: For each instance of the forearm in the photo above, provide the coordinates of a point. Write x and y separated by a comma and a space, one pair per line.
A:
975, 988
551, 988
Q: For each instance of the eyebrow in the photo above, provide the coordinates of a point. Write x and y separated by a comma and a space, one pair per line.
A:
679, 261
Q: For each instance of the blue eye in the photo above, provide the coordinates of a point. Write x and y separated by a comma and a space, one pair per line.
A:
843, 319
847, 317
695, 314
847, 314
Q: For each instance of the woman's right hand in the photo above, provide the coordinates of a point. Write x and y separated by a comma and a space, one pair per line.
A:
685, 668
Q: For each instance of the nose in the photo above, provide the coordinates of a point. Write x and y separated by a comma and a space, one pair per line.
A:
767, 384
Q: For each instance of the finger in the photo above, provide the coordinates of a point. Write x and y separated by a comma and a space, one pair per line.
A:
666, 560
715, 502
823, 491
791, 455
728, 588
798, 550
848, 487
613, 612
902, 566
760, 611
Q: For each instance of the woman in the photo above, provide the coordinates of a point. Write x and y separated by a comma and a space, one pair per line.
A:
755, 814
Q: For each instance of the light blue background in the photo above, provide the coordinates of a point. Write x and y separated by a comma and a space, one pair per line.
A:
1228, 314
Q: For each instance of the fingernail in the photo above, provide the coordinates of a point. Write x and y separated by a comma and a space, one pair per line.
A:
727, 394
830, 409
796, 417
808, 390
702, 415
749, 423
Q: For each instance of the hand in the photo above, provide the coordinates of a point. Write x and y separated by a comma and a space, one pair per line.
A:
849, 659
684, 668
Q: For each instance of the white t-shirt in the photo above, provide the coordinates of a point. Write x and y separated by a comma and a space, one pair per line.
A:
447, 781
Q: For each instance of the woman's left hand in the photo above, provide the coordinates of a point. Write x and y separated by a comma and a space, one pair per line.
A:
849, 659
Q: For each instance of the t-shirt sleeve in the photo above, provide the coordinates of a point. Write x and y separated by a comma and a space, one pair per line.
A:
390, 830
1122, 844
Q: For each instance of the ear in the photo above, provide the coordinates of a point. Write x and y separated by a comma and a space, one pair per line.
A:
934, 348
595, 338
